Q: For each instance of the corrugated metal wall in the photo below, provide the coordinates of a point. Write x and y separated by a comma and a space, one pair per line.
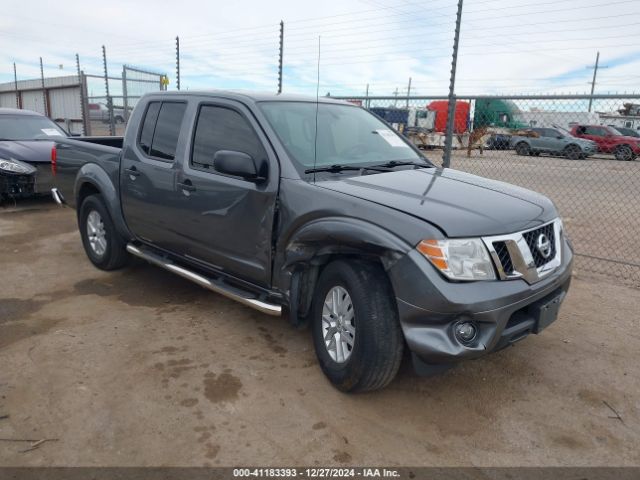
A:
64, 99
65, 103
8, 100
33, 100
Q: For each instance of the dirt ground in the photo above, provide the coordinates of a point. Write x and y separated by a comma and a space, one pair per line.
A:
140, 367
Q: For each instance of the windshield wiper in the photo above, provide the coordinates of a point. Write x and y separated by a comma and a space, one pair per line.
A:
398, 163
337, 168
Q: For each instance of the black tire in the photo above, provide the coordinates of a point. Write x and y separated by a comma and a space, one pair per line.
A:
522, 148
378, 342
623, 153
572, 152
115, 254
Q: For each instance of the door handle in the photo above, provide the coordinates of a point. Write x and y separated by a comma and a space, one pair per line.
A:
133, 172
187, 187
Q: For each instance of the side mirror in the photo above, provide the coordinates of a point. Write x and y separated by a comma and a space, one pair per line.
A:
238, 164
559, 137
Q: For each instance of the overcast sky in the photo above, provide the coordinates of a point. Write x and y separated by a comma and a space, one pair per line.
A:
507, 46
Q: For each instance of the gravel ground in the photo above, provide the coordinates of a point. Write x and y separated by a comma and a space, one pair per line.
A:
139, 367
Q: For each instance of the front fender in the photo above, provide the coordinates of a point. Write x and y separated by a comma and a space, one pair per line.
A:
342, 235
316, 242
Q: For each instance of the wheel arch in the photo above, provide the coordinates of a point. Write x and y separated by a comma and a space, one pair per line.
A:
93, 180
318, 243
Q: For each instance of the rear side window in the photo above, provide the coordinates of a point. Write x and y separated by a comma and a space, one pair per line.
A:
220, 128
165, 136
161, 128
148, 126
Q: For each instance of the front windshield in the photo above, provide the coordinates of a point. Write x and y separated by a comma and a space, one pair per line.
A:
614, 132
28, 127
347, 135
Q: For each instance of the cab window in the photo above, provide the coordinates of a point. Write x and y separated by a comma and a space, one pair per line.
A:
220, 128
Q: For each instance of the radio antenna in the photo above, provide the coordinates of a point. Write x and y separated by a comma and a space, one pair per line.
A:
315, 139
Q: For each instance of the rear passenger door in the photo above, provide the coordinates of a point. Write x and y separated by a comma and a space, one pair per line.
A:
148, 174
226, 222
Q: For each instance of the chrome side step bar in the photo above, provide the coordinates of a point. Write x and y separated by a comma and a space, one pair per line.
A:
268, 308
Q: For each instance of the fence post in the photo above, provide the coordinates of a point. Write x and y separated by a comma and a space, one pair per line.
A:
125, 101
366, 97
451, 111
86, 119
82, 97
408, 92
280, 52
44, 92
178, 62
15, 82
112, 126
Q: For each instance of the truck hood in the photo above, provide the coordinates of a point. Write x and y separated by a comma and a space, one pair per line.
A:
460, 204
30, 151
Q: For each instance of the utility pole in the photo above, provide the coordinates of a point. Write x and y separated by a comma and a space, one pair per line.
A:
44, 92
15, 82
408, 92
595, 73
178, 62
446, 157
280, 53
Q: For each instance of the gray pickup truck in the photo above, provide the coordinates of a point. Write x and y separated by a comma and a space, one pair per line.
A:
318, 210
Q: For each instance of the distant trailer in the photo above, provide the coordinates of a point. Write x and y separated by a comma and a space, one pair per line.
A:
616, 120
556, 119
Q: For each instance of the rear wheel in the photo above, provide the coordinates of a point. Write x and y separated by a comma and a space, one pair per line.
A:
523, 149
104, 247
572, 152
356, 332
623, 153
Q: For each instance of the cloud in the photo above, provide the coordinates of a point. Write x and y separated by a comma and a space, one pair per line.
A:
505, 47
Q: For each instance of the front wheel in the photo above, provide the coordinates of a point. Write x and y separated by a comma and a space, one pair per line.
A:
572, 152
356, 332
522, 149
623, 153
101, 241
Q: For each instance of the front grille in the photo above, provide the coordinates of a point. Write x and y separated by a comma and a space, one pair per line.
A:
504, 257
532, 240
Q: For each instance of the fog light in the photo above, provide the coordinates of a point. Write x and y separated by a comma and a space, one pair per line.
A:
465, 331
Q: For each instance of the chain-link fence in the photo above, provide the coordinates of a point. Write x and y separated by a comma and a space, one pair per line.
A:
109, 105
578, 150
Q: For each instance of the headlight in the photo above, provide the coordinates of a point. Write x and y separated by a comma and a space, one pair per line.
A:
459, 259
15, 166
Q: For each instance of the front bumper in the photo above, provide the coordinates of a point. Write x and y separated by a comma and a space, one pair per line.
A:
503, 310
17, 186
26, 185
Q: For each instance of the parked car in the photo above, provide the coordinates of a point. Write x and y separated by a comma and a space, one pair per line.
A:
499, 141
25, 152
316, 209
627, 132
100, 112
609, 140
554, 142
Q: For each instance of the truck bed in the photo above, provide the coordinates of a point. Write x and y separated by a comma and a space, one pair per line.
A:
99, 153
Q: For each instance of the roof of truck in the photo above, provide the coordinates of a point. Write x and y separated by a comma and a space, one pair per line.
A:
256, 96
